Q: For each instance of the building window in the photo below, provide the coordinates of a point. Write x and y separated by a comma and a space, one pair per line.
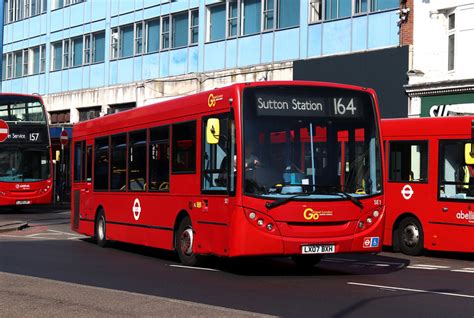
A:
361, 6
57, 4
60, 117
43, 58
335, 9
288, 13
66, 53
451, 41
180, 26
87, 49
98, 47
165, 32
251, 16
153, 36
232, 18
315, 10
126, 41
217, 22
25, 62
379, 5
89, 113
18, 64
114, 44
194, 27
138, 38
268, 14
77, 47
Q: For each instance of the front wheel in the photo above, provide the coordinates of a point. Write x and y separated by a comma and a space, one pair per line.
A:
100, 229
185, 242
410, 236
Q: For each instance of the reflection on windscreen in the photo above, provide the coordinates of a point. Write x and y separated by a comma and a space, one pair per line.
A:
20, 108
312, 155
27, 165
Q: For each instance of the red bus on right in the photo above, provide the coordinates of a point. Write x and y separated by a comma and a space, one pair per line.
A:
430, 184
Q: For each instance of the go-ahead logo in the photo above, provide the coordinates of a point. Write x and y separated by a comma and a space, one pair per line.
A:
311, 215
469, 216
213, 99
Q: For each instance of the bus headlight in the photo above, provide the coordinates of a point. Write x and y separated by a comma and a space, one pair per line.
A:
252, 215
260, 222
376, 214
269, 226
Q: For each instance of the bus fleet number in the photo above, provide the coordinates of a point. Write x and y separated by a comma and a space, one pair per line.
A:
34, 136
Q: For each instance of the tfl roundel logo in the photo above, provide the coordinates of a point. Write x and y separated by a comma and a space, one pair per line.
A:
136, 209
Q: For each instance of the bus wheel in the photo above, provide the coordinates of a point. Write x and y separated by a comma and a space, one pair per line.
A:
100, 229
184, 243
306, 261
410, 236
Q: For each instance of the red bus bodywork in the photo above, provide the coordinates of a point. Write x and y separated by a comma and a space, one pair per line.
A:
220, 222
21, 193
436, 210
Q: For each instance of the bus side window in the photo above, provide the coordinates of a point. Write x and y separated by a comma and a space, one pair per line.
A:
408, 161
159, 159
456, 176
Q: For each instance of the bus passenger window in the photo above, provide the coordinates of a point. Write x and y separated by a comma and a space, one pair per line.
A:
159, 159
137, 161
216, 159
101, 164
456, 176
184, 147
118, 162
408, 161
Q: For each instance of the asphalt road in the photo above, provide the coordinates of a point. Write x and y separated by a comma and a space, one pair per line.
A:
47, 270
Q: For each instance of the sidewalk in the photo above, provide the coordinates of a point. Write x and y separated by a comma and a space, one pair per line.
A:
7, 226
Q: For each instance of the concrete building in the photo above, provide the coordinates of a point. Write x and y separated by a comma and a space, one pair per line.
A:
90, 57
441, 77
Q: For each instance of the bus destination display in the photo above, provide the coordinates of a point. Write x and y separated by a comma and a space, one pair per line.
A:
309, 106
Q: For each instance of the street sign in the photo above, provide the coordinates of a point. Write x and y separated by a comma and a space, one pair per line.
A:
63, 138
4, 130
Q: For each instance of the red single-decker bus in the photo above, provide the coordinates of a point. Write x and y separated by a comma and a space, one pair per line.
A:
269, 168
430, 184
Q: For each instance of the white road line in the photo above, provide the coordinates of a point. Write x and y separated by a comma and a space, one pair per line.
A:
418, 267
412, 290
470, 271
196, 268
382, 265
428, 265
65, 233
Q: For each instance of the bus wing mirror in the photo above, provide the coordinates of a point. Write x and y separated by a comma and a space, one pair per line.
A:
212, 131
469, 153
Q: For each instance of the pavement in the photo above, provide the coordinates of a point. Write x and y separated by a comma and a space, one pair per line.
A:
8, 226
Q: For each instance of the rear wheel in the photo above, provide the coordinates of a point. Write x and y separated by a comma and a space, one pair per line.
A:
100, 229
410, 236
306, 261
185, 243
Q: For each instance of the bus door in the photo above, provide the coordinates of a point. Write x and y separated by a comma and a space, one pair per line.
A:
82, 185
408, 189
455, 191
218, 179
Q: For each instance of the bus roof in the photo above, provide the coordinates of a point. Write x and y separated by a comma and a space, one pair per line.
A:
427, 126
189, 105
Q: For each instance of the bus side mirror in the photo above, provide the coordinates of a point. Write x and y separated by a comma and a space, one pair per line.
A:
469, 153
212, 131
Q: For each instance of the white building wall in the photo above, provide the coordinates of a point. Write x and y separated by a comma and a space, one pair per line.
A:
430, 44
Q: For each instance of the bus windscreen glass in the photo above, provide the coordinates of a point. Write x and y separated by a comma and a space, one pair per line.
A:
21, 109
318, 142
24, 164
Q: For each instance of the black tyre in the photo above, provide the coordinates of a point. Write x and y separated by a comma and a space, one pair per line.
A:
100, 229
306, 261
184, 243
410, 236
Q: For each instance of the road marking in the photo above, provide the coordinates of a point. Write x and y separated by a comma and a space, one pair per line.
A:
421, 291
196, 268
464, 270
428, 267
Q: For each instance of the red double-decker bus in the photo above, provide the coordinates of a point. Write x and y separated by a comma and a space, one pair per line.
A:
430, 184
268, 168
25, 151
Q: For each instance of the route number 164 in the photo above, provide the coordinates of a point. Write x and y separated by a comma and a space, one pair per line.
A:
341, 109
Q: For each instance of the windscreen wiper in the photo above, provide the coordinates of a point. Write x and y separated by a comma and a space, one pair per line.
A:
274, 204
351, 198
